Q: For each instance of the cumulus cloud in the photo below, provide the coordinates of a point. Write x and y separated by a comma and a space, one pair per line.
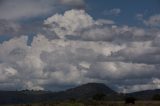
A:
85, 50
115, 33
153, 21
11, 12
65, 62
145, 53
121, 70
67, 25
84, 27
137, 56
55, 61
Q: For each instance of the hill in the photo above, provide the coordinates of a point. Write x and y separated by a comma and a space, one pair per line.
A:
86, 91
82, 92
145, 95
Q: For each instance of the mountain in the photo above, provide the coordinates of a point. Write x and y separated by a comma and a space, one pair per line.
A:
82, 92
86, 91
145, 95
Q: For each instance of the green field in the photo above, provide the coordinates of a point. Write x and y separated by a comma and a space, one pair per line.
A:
93, 103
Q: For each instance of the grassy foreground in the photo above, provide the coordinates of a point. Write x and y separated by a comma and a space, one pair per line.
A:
93, 103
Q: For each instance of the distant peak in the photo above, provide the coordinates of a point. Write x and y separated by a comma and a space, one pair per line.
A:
94, 84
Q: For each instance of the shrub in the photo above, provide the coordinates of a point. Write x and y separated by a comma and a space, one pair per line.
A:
99, 96
156, 97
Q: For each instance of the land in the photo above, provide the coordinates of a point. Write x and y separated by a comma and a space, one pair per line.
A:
91, 94
92, 103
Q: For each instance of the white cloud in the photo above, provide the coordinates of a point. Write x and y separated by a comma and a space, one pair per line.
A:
67, 25
115, 33
121, 70
7, 73
114, 12
153, 20
138, 52
86, 50
84, 27
151, 85
67, 62
104, 21
50, 62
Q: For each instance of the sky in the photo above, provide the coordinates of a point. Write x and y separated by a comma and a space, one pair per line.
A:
58, 44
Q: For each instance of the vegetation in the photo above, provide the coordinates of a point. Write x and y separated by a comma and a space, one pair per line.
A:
93, 103
156, 97
91, 94
99, 96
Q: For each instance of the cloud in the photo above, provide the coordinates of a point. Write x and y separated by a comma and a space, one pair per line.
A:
69, 59
139, 16
156, 41
153, 21
84, 27
67, 62
118, 34
82, 50
105, 21
119, 65
121, 70
9, 27
65, 24
146, 53
152, 84
77, 3
114, 12
24, 9
125, 76
21, 9
11, 12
